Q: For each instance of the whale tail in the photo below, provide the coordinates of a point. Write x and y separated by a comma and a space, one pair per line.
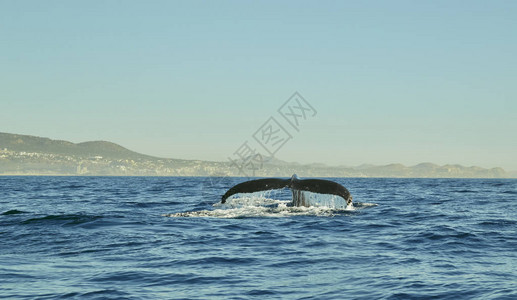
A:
296, 185
257, 185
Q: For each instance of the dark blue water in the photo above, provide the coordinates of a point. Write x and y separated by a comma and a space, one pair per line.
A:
162, 238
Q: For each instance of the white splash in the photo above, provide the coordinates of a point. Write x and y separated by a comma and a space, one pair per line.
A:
253, 207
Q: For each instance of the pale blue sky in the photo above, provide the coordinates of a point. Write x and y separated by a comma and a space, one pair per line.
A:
392, 81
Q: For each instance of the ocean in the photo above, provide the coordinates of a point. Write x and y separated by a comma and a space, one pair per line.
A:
170, 238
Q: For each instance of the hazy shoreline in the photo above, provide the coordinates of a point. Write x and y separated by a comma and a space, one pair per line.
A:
22, 155
237, 176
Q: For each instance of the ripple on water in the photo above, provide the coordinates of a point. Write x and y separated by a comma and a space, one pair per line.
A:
106, 238
62, 220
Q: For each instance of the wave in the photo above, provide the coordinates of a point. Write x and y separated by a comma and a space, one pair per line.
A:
13, 212
63, 220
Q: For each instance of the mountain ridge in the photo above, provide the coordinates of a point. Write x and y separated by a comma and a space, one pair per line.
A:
31, 155
30, 143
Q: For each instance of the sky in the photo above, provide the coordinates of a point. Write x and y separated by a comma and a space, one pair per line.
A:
389, 81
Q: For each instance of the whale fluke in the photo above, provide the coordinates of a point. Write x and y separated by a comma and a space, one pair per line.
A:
319, 186
257, 186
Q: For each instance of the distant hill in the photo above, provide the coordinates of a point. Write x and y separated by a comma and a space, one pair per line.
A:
31, 155
423, 170
426, 170
27, 143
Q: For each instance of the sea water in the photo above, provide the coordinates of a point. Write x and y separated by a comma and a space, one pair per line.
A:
170, 238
